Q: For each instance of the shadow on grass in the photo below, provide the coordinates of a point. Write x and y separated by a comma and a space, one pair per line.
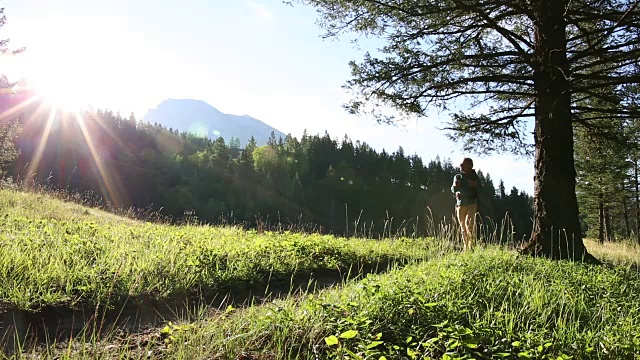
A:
22, 330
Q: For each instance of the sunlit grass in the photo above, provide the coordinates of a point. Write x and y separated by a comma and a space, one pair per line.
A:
43, 206
619, 253
52, 254
487, 303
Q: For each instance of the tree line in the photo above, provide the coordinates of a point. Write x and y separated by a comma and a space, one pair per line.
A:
608, 182
315, 182
564, 66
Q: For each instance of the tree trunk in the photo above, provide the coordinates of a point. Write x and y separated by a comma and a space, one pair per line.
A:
637, 201
556, 232
625, 207
601, 218
608, 227
331, 213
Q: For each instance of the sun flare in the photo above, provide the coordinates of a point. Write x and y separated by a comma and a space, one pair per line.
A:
73, 63
67, 79
64, 96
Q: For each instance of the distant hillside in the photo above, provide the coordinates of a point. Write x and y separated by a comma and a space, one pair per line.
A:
197, 116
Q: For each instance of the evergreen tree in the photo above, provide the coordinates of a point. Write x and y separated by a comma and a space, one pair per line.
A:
9, 125
534, 59
9, 102
272, 141
501, 190
9, 131
246, 156
603, 169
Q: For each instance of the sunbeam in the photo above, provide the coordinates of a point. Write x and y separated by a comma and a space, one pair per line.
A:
35, 161
106, 182
14, 109
108, 131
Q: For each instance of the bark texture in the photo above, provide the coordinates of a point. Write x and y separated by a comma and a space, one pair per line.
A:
556, 233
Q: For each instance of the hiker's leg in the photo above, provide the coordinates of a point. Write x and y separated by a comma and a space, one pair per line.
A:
464, 224
461, 215
467, 232
471, 224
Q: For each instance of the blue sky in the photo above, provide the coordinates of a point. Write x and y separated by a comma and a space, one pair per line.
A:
256, 57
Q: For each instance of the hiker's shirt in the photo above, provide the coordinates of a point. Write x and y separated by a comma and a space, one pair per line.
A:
468, 193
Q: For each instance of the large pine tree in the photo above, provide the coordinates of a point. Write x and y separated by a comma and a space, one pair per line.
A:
526, 59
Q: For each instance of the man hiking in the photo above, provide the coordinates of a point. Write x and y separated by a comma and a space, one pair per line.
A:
465, 187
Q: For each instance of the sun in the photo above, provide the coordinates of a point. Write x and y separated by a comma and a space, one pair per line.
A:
63, 81
67, 79
79, 62
65, 94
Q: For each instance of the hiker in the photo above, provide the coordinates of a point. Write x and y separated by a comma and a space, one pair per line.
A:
465, 187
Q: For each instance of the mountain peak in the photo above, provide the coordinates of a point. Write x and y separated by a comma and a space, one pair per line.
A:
197, 116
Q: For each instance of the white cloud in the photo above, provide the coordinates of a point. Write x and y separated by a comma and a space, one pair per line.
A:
260, 10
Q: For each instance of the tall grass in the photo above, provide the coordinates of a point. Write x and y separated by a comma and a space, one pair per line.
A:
51, 255
69, 201
621, 253
487, 303
484, 304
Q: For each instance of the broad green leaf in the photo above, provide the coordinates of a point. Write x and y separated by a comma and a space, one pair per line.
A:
331, 340
349, 334
374, 344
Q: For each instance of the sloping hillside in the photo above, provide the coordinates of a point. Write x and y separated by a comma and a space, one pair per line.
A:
46, 207
59, 254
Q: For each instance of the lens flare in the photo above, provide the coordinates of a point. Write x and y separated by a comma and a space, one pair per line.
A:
106, 181
37, 156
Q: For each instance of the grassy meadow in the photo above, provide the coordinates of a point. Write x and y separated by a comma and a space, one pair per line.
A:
484, 304
59, 254
389, 299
